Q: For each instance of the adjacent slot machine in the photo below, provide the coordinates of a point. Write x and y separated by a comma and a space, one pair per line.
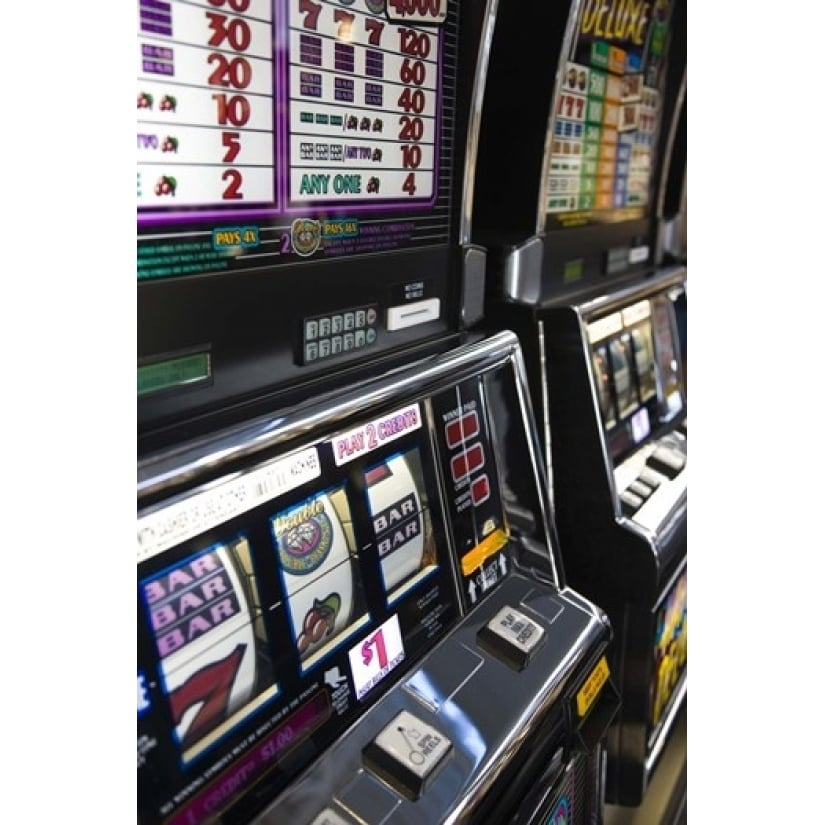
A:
579, 99
354, 612
620, 462
581, 105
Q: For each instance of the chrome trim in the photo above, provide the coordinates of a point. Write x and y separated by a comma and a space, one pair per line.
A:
473, 274
594, 399
500, 736
666, 588
627, 523
163, 471
567, 47
534, 447
545, 408
667, 724
501, 757
671, 137
443, 495
474, 123
669, 277
587, 605
521, 280
669, 522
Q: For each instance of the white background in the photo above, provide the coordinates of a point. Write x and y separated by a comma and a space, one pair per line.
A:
69, 353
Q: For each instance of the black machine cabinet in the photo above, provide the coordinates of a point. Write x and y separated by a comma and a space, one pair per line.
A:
672, 200
608, 376
578, 111
353, 610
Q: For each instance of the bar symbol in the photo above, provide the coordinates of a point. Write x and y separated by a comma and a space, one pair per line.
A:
155, 17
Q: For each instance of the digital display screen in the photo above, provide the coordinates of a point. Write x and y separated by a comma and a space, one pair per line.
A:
173, 372
626, 357
607, 113
670, 648
277, 603
273, 132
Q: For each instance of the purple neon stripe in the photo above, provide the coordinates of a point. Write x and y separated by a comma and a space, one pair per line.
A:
156, 4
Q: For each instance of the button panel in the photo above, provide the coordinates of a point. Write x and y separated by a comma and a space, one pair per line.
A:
406, 753
339, 332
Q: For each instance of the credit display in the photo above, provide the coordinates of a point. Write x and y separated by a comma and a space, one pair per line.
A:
271, 132
607, 115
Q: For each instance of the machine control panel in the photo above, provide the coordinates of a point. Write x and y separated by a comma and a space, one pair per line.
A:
652, 480
337, 332
312, 594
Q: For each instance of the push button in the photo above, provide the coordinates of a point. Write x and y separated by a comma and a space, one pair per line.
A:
649, 479
512, 637
631, 501
666, 461
406, 753
640, 489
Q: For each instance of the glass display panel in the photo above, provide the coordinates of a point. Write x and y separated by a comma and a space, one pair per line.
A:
601, 373
206, 623
642, 341
607, 114
318, 561
623, 378
401, 520
670, 649
274, 132
667, 357
278, 603
631, 350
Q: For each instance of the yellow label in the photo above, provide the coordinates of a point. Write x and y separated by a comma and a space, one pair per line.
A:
481, 552
590, 689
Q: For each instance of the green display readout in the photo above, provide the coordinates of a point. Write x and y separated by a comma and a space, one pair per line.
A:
573, 270
173, 372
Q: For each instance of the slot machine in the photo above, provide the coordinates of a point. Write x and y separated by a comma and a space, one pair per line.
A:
350, 603
353, 611
580, 105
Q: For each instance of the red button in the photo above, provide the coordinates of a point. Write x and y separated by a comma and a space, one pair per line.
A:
461, 430
465, 463
480, 490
